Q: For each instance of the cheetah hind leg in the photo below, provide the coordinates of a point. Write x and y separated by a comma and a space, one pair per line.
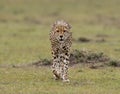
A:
65, 80
56, 75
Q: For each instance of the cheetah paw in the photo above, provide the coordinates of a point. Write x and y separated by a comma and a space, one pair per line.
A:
67, 80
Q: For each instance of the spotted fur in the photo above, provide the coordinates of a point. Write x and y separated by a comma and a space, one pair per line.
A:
61, 40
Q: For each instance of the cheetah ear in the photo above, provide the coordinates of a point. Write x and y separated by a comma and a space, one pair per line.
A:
53, 26
69, 26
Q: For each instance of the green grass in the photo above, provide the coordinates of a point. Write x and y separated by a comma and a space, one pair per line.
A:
40, 81
24, 38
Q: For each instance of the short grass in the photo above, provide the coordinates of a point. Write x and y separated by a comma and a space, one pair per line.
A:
24, 38
40, 81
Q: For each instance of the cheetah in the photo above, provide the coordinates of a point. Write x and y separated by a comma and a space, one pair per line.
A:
61, 41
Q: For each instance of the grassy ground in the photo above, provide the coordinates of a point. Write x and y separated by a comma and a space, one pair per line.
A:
40, 81
24, 38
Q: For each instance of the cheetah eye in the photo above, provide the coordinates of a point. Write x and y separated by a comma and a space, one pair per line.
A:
57, 31
64, 31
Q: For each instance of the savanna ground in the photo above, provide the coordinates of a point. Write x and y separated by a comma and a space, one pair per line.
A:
24, 38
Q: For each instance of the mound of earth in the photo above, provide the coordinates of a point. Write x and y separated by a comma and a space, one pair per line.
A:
78, 56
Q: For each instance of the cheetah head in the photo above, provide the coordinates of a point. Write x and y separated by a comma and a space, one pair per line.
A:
61, 30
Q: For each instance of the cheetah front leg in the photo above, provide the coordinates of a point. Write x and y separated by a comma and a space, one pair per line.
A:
55, 70
55, 66
65, 68
65, 72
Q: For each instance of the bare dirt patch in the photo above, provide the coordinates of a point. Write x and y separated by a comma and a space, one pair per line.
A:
88, 40
83, 39
85, 56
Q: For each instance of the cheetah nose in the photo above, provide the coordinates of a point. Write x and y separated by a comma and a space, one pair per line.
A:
61, 36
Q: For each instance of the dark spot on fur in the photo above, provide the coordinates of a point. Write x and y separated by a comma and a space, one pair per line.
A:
54, 57
66, 54
61, 57
57, 49
63, 47
67, 59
